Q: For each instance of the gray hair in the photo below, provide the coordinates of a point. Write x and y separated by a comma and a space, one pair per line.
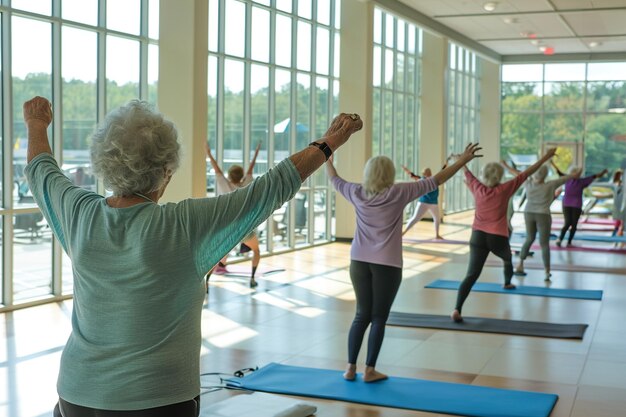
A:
541, 174
378, 175
134, 149
492, 174
573, 170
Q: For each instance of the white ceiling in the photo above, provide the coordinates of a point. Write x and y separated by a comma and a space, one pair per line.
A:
568, 26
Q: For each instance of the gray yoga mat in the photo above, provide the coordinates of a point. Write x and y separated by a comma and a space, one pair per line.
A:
487, 325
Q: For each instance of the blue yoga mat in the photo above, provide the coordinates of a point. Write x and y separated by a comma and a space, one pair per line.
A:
411, 394
587, 237
445, 284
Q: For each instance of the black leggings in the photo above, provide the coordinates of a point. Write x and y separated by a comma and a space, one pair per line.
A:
481, 244
189, 408
571, 215
375, 287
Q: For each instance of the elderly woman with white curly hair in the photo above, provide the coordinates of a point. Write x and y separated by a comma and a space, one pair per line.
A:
138, 265
490, 229
376, 253
539, 197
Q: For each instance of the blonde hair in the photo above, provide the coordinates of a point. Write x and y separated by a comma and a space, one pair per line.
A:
492, 174
235, 174
541, 174
379, 174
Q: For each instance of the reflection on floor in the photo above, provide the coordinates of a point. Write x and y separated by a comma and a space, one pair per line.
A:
301, 317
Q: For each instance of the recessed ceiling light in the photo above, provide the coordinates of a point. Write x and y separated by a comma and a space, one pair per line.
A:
535, 42
490, 6
510, 20
593, 44
547, 50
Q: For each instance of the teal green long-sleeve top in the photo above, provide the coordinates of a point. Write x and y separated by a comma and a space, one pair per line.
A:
138, 283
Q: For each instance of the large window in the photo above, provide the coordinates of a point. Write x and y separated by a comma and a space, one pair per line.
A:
86, 57
578, 107
463, 124
396, 90
273, 80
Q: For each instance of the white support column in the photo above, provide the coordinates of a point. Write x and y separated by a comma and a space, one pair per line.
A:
183, 49
355, 97
490, 111
432, 151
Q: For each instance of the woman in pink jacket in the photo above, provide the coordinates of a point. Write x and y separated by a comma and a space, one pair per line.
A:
490, 232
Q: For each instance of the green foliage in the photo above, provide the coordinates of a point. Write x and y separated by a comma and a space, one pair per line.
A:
523, 126
79, 104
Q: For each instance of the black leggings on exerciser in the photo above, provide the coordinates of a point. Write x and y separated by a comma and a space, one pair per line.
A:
189, 408
481, 244
571, 216
375, 287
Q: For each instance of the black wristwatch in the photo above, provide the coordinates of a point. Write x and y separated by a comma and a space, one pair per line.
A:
323, 147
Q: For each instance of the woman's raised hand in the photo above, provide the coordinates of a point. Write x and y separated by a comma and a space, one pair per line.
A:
38, 108
470, 152
341, 128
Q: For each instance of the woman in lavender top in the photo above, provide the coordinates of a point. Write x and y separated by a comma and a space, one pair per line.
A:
376, 253
573, 202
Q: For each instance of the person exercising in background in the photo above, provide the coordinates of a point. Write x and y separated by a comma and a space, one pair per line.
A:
236, 179
427, 203
573, 201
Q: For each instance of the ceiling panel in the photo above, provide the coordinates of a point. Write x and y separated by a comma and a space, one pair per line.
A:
573, 30
524, 47
493, 27
598, 23
573, 4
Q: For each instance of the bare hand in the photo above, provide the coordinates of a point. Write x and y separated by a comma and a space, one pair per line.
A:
470, 152
551, 152
37, 109
341, 128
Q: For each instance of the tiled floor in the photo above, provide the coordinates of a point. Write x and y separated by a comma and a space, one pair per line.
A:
301, 317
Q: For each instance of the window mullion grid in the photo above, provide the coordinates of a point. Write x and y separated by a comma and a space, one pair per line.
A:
143, 51
271, 115
7, 164
57, 134
246, 88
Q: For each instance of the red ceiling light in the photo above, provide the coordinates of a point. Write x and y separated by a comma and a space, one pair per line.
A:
547, 50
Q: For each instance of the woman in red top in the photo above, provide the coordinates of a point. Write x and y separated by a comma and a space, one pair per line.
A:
490, 232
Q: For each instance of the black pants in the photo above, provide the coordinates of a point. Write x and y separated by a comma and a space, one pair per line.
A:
189, 408
571, 216
375, 287
481, 244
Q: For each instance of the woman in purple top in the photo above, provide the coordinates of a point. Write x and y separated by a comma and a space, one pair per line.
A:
376, 253
573, 202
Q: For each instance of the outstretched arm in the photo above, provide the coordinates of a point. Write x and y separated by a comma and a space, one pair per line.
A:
253, 161
601, 173
509, 168
410, 173
37, 118
340, 130
214, 164
330, 168
534, 167
556, 168
468, 154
